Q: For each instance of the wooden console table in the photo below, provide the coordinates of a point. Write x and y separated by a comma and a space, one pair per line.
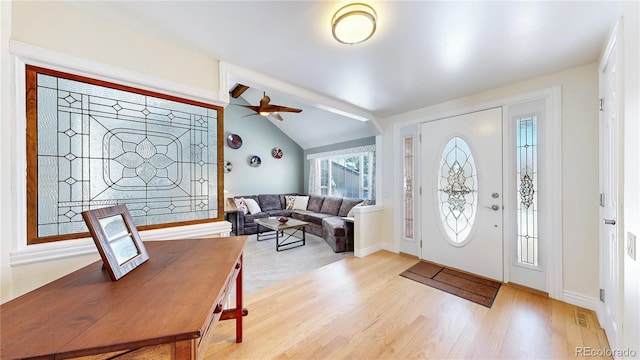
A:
164, 309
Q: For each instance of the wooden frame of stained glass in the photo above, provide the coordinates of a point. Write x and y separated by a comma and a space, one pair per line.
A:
93, 143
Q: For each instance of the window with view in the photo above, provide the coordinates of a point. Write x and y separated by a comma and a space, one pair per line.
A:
345, 173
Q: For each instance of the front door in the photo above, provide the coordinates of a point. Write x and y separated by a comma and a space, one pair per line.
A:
462, 192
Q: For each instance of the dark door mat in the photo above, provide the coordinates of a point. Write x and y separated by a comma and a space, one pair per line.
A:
467, 286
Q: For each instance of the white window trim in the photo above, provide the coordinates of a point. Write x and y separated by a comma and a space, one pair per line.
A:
355, 151
344, 152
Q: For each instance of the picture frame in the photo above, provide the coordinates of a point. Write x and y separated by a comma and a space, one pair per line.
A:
116, 238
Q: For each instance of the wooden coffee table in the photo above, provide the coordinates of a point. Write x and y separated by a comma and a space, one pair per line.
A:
273, 224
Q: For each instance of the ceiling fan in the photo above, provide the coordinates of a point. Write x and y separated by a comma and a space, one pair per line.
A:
265, 108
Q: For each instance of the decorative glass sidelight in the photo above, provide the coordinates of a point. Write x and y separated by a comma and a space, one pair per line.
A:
527, 185
408, 180
457, 188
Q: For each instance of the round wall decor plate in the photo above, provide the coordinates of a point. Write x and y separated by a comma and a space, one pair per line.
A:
277, 153
255, 161
234, 141
228, 166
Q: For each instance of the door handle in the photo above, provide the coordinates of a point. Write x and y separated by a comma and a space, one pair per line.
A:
609, 222
493, 207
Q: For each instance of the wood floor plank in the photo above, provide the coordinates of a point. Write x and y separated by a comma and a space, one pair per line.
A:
362, 309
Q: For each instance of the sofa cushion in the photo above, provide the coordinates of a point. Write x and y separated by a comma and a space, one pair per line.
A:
278, 213
250, 217
309, 216
351, 212
315, 203
254, 197
347, 205
331, 205
270, 202
333, 225
253, 206
289, 201
301, 203
241, 205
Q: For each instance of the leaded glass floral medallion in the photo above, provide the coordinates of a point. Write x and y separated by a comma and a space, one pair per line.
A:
457, 188
526, 190
99, 145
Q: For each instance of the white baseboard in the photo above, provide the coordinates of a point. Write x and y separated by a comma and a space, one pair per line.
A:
583, 301
372, 249
367, 251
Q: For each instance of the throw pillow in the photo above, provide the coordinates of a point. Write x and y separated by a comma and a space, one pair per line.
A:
300, 203
252, 205
289, 200
350, 214
241, 205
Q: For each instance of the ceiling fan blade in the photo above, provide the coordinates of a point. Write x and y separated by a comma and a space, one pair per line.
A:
254, 108
277, 116
279, 108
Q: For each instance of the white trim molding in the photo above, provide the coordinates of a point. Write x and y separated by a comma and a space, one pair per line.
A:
582, 301
343, 152
55, 60
73, 248
230, 74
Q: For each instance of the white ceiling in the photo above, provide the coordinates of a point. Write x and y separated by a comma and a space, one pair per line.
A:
423, 52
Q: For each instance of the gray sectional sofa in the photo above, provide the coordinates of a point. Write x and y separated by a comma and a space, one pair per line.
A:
323, 213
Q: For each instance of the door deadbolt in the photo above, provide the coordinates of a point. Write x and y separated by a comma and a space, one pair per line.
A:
495, 195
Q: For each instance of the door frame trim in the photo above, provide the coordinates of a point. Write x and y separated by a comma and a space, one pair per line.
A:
552, 140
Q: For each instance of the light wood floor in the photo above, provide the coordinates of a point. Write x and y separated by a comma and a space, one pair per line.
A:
361, 309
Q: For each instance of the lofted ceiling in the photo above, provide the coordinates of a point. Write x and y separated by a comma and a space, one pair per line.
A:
423, 52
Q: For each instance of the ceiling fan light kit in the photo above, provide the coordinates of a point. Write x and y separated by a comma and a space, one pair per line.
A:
354, 23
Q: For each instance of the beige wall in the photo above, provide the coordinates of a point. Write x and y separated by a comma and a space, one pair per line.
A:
60, 27
579, 159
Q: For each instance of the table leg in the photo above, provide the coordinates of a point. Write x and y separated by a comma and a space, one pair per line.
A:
239, 302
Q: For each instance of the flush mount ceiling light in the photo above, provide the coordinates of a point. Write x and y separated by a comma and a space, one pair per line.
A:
354, 23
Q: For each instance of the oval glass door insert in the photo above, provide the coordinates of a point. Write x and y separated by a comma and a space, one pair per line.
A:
457, 189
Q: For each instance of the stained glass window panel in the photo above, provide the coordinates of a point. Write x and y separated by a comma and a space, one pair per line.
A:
408, 177
457, 189
527, 190
100, 145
